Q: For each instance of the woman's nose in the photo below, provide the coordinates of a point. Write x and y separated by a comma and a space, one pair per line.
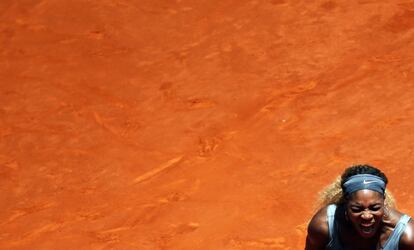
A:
366, 215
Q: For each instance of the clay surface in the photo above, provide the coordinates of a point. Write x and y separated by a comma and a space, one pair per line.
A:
195, 124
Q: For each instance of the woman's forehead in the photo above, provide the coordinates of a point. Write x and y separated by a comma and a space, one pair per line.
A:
366, 196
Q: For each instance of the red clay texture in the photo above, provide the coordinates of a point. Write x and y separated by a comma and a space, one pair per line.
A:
187, 124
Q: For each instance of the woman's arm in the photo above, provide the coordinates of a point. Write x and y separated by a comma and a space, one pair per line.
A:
318, 231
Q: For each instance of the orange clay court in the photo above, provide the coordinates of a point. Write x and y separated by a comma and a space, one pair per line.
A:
154, 124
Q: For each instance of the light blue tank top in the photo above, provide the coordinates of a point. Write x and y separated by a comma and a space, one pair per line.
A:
391, 243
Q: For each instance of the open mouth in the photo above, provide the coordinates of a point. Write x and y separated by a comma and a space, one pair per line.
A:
367, 229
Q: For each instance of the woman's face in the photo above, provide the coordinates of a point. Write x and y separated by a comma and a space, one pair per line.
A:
365, 209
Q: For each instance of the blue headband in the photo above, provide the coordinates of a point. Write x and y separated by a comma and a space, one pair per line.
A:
363, 181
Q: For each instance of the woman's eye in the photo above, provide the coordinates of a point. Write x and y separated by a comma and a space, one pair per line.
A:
375, 208
356, 210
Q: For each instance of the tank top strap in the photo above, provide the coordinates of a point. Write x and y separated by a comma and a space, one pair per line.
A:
394, 239
331, 220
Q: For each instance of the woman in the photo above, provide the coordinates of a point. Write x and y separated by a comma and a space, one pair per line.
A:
358, 213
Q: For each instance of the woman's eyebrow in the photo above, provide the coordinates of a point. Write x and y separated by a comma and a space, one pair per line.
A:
357, 204
375, 204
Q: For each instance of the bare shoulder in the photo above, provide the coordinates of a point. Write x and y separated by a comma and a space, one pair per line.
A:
319, 222
407, 239
318, 231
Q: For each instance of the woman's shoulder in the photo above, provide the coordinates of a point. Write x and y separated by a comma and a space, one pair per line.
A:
318, 229
320, 215
407, 238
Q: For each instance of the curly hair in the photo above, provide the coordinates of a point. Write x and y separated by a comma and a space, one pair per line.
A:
333, 193
362, 169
